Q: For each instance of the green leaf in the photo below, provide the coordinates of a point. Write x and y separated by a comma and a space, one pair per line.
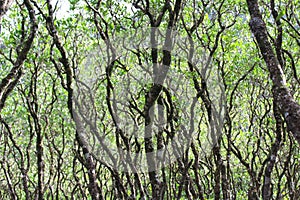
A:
282, 12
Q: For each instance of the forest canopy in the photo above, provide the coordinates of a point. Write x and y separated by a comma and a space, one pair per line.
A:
149, 99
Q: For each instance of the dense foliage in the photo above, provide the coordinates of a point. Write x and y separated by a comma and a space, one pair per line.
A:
191, 77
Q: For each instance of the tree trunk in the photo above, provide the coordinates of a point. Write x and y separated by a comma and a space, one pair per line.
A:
288, 107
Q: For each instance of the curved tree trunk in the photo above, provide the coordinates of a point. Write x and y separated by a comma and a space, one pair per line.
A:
288, 107
9, 82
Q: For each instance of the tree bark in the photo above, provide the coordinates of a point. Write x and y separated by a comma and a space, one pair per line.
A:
288, 107
10, 81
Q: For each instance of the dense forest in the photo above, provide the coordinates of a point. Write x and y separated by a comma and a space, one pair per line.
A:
150, 99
